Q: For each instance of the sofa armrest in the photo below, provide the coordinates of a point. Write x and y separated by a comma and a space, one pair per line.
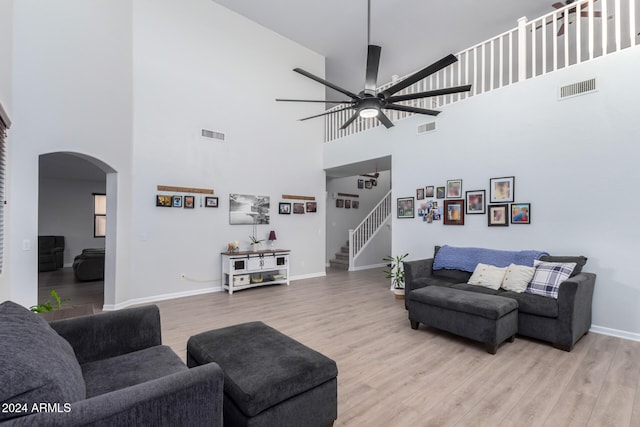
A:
187, 398
574, 309
414, 270
105, 335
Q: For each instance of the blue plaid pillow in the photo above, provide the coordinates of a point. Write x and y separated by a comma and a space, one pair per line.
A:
548, 277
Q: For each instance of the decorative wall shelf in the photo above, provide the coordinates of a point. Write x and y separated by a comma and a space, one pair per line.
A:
289, 196
185, 189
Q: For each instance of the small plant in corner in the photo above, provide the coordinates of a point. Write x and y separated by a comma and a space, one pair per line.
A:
395, 271
254, 240
48, 306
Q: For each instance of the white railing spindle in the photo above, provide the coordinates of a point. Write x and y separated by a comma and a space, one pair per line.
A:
362, 234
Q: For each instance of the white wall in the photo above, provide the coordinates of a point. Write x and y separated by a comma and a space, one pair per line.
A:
198, 65
72, 78
575, 161
66, 209
6, 63
341, 220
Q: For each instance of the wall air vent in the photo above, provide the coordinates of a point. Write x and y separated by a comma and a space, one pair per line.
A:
580, 88
212, 134
426, 128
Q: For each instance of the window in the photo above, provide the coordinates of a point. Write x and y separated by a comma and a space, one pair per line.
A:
99, 215
5, 123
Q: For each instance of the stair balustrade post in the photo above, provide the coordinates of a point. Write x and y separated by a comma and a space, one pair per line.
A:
351, 246
522, 49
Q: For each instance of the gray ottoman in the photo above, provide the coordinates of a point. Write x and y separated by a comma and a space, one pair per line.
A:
269, 378
490, 319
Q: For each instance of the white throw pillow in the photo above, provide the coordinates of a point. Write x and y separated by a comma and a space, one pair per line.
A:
488, 276
517, 278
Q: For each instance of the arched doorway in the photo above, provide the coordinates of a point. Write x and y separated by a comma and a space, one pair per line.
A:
71, 187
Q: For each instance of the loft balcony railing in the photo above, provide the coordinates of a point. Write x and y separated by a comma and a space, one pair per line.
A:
532, 49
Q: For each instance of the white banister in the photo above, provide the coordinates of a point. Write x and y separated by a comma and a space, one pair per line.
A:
533, 48
360, 237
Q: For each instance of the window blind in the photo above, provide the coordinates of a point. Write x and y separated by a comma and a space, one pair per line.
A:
5, 123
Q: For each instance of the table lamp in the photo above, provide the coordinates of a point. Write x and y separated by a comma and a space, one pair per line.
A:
272, 237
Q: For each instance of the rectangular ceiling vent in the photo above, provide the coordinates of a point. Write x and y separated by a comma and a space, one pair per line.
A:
426, 128
212, 134
580, 88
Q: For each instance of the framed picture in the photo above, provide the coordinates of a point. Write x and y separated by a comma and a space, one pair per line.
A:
164, 201
298, 208
406, 207
284, 208
339, 203
355, 204
210, 202
368, 184
501, 189
176, 201
454, 189
521, 213
347, 204
429, 191
454, 212
189, 202
420, 194
248, 209
361, 183
312, 207
498, 216
476, 203
440, 192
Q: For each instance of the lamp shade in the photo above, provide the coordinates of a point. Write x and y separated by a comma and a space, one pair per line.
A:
272, 235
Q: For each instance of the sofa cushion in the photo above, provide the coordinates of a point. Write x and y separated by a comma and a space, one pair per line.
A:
548, 277
434, 281
455, 276
517, 278
579, 260
115, 373
487, 276
43, 366
534, 304
477, 289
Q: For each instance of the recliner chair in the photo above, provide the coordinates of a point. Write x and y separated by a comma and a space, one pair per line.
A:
50, 253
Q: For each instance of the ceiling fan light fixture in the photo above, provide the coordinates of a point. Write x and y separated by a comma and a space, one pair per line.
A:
367, 113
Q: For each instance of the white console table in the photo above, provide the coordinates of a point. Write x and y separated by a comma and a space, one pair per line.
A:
244, 270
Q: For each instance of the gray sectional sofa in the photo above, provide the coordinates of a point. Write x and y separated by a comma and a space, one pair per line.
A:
562, 321
108, 369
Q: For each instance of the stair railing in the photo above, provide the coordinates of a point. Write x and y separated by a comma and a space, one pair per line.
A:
360, 237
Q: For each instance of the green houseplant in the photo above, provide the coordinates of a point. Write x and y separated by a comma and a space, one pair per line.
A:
255, 243
396, 274
48, 306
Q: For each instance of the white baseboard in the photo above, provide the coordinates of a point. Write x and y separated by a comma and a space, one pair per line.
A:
615, 333
368, 267
308, 276
155, 298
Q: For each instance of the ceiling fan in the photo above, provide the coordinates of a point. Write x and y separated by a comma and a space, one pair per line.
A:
572, 13
370, 103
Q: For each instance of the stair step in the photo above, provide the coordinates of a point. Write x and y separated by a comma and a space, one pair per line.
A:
342, 256
334, 263
344, 249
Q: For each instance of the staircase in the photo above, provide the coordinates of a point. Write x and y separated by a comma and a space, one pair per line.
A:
341, 260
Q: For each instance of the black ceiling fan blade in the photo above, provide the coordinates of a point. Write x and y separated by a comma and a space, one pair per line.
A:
384, 120
411, 109
417, 76
325, 113
324, 101
429, 93
373, 63
348, 122
326, 83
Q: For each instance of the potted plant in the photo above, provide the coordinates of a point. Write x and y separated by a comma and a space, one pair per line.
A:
396, 274
57, 311
255, 243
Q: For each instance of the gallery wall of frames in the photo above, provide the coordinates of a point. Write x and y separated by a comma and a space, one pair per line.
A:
449, 202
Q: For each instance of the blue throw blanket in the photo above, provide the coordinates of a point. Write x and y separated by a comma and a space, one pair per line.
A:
466, 259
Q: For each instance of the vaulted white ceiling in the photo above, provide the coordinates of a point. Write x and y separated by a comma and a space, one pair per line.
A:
412, 33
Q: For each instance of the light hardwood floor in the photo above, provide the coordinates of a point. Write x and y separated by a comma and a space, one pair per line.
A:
391, 375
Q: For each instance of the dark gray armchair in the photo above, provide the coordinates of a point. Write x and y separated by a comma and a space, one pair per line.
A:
101, 370
50, 252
